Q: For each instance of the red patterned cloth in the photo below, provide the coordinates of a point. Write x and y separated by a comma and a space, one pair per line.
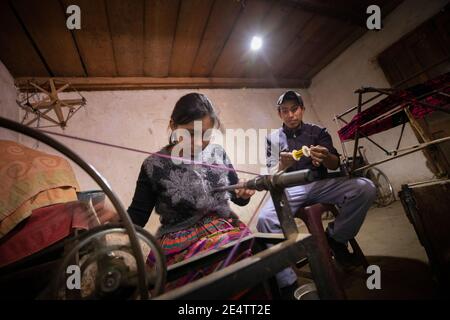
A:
44, 227
364, 122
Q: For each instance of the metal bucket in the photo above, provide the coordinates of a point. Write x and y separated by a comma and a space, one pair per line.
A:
96, 196
306, 292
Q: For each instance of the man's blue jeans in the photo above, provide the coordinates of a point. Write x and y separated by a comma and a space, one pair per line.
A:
353, 197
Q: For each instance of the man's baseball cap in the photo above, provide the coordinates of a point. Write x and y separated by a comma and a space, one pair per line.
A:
290, 96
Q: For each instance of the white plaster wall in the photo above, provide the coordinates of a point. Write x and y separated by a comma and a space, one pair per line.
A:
8, 106
331, 91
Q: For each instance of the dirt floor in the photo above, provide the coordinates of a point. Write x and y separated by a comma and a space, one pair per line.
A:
389, 241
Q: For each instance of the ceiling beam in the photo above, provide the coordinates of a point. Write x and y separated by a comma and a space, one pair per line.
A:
140, 83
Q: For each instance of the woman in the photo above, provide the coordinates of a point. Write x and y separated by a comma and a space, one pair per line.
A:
193, 217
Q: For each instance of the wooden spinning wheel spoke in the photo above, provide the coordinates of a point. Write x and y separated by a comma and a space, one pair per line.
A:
42, 115
43, 104
64, 87
40, 88
71, 102
53, 89
59, 112
47, 100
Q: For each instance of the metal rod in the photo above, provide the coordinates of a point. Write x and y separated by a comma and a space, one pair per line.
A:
230, 187
355, 146
416, 101
356, 107
399, 108
282, 206
367, 137
338, 125
415, 148
400, 138
376, 144
279, 180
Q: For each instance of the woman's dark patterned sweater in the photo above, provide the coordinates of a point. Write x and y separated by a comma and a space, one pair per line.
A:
181, 193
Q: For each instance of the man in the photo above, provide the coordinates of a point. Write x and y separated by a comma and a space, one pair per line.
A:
353, 196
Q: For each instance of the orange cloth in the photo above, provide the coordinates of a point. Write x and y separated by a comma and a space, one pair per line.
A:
31, 179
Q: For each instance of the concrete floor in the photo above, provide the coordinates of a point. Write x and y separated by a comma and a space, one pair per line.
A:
388, 240
388, 232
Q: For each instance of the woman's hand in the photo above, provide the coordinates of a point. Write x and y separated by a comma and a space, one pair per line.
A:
244, 193
106, 213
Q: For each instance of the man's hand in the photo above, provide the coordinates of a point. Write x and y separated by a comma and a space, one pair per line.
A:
320, 155
244, 193
286, 160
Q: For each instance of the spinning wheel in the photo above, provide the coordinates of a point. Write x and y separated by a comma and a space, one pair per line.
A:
114, 275
45, 99
106, 268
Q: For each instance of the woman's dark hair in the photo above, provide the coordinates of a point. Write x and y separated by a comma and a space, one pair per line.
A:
191, 107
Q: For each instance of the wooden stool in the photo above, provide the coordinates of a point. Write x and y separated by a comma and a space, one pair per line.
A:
312, 217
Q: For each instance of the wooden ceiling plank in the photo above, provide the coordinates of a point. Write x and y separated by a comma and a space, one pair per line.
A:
280, 29
126, 22
235, 52
98, 58
291, 54
160, 25
256, 60
329, 36
386, 7
46, 23
16, 50
192, 20
223, 17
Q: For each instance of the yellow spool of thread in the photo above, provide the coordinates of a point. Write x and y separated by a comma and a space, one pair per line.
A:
297, 154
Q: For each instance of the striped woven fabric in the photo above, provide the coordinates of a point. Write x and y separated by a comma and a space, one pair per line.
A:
210, 233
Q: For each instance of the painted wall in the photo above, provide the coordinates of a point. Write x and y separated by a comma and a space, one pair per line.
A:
332, 89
